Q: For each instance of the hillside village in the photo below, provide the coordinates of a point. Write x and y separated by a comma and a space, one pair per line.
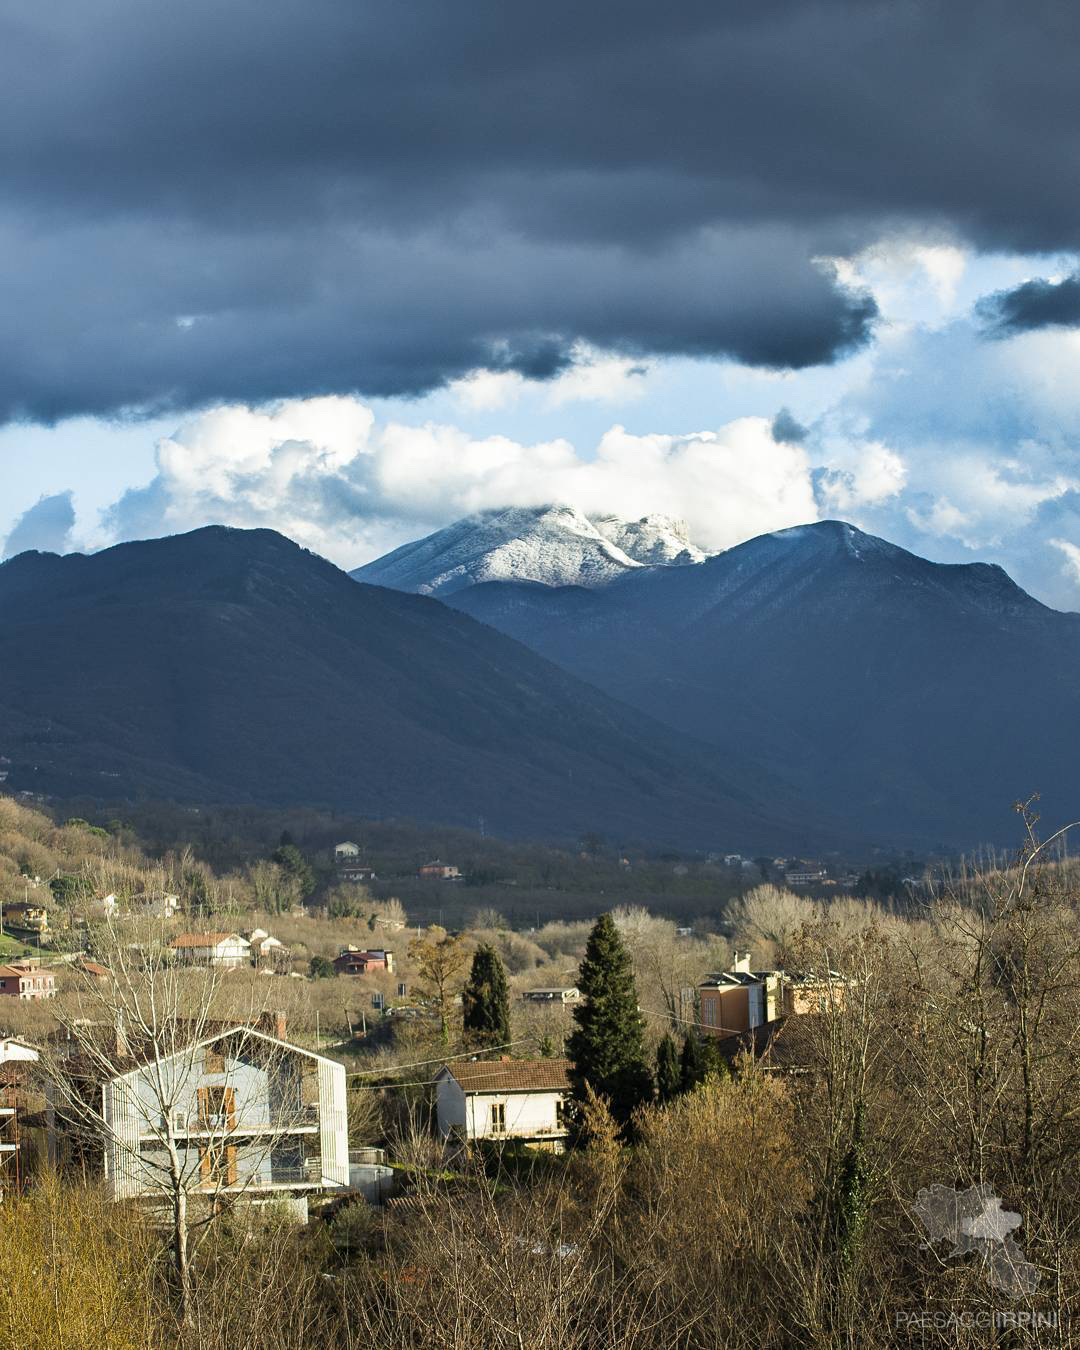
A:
357, 1084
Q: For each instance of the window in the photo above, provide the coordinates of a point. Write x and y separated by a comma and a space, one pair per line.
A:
560, 1112
179, 1120
217, 1108
217, 1165
214, 1061
708, 1011
498, 1118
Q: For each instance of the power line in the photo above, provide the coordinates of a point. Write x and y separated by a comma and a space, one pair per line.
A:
691, 1022
441, 1059
389, 1087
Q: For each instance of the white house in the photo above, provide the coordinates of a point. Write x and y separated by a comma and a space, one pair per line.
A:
248, 1111
570, 994
227, 950
104, 908
346, 851
155, 906
519, 1099
12, 1052
264, 947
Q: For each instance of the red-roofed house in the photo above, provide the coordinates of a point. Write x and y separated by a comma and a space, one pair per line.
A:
439, 871
26, 979
352, 961
520, 1099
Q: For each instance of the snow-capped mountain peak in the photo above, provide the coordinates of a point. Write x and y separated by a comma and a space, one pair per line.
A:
653, 540
553, 545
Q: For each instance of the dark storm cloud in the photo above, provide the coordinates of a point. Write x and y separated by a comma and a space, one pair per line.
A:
249, 200
1034, 304
46, 526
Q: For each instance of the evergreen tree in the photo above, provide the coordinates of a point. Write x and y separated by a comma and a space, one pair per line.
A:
486, 1000
607, 1047
692, 1065
851, 1198
289, 858
547, 1047
668, 1076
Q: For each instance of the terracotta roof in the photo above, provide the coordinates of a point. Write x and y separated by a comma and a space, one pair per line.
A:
203, 939
512, 1075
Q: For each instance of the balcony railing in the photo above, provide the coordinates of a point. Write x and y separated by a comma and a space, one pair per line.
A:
216, 1123
307, 1175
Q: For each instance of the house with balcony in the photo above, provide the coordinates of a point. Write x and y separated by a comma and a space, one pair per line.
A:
27, 980
26, 918
559, 996
226, 950
246, 1111
15, 1055
504, 1099
265, 949
353, 961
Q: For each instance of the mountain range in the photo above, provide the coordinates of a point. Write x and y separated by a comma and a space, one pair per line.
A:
808, 689
233, 666
915, 700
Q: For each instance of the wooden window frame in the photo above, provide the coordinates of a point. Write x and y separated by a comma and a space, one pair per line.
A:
211, 1157
213, 1107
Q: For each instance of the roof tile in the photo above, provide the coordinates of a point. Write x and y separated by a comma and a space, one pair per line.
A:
512, 1075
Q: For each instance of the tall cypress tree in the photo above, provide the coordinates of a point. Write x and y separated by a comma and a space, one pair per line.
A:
607, 1047
486, 1000
692, 1066
668, 1073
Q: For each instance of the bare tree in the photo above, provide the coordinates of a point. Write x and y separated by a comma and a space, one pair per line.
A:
440, 961
183, 1094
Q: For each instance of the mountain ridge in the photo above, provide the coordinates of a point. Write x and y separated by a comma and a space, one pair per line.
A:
912, 697
233, 665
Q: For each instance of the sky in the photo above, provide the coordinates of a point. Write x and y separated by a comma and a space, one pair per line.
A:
351, 271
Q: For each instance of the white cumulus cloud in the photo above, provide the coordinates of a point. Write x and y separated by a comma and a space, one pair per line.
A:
325, 472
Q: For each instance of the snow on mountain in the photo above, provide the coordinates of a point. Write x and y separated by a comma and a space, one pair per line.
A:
547, 545
652, 540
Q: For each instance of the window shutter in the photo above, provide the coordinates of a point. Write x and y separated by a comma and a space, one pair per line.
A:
204, 1111
230, 1107
230, 1165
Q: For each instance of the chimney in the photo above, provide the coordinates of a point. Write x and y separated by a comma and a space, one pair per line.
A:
273, 1023
741, 964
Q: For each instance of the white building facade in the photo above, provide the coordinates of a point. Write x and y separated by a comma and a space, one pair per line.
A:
245, 1111
502, 1100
